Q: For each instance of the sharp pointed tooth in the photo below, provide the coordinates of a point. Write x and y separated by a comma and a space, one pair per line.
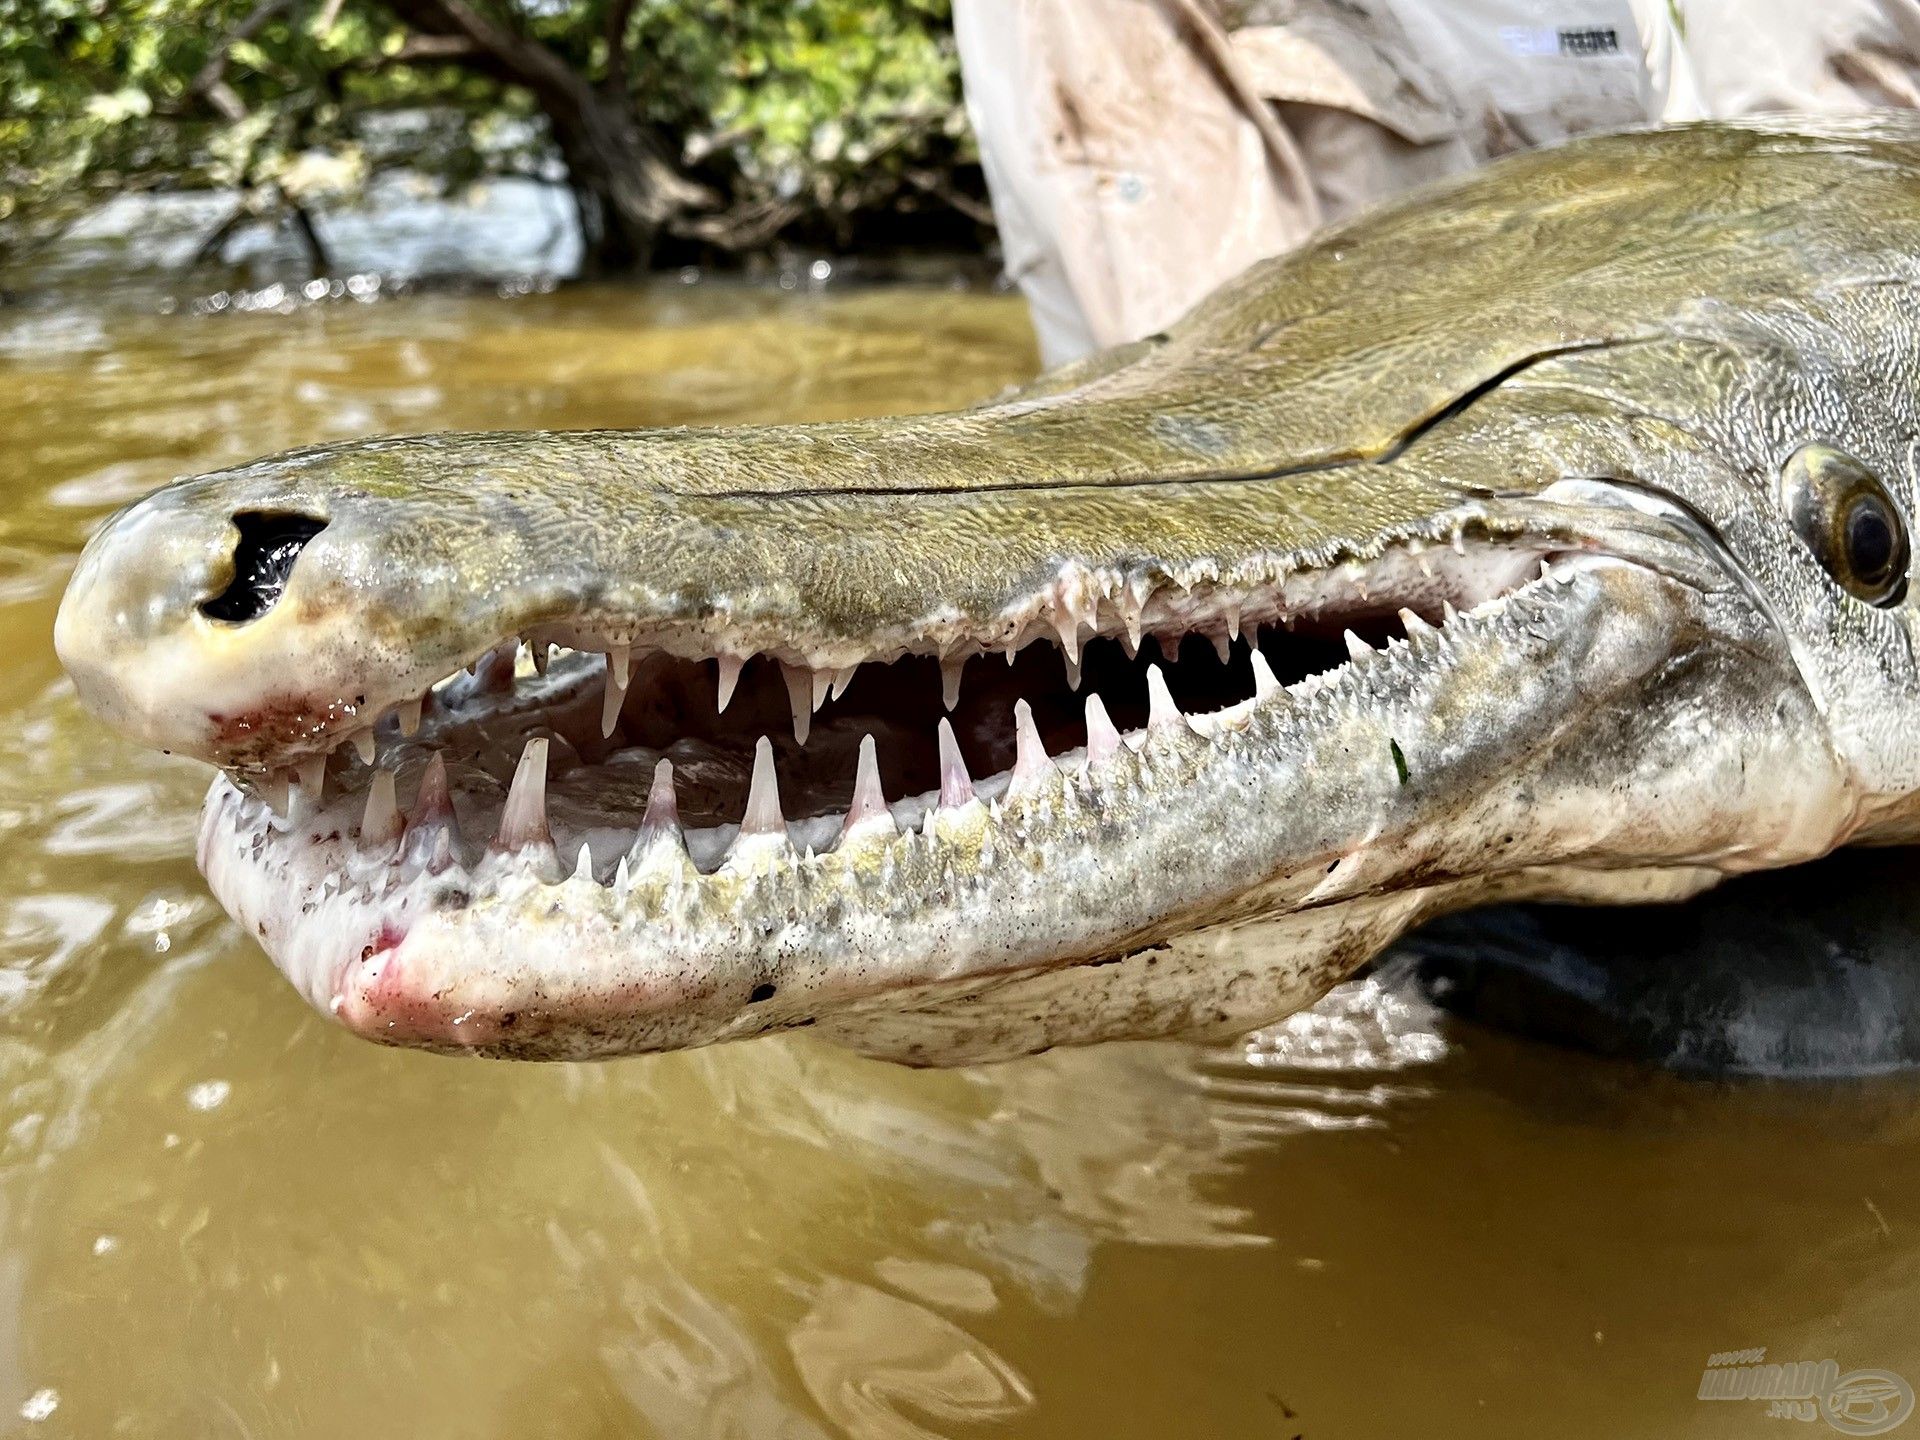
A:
433, 800
659, 847
951, 668
1067, 627
1131, 614
729, 667
1072, 662
1161, 711
1222, 645
614, 696
1103, 741
1013, 651
1233, 622
1253, 637
1265, 683
1413, 624
1130, 642
869, 805
313, 779
956, 786
842, 678
1030, 764
763, 815
409, 718
583, 867
542, 656
523, 819
277, 791
380, 824
663, 803
432, 833
1356, 647
800, 699
822, 683
493, 671
620, 663
363, 743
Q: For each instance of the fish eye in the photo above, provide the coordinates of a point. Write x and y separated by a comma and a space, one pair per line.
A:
263, 559
1844, 515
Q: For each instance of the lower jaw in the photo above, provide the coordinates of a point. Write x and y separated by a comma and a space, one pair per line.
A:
589, 981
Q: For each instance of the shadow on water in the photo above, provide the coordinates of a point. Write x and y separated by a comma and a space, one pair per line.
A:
1811, 973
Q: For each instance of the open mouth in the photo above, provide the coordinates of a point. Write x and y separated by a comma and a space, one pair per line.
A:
591, 750
598, 840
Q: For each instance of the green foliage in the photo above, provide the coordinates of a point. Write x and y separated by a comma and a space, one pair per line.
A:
76, 93
819, 99
801, 114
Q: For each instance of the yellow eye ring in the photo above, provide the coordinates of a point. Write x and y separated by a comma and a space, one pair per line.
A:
1844, 515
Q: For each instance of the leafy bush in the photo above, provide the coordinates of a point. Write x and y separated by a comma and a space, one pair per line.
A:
684, 127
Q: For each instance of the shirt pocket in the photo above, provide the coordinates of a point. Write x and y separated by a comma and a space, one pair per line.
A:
1358, 63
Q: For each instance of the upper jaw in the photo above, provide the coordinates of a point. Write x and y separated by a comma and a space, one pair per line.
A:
1341, 785
366, 630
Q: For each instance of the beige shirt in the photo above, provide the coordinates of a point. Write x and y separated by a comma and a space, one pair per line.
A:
1817, 55
1140, 152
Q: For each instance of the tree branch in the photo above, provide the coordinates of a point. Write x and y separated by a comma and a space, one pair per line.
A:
619, 17
319, 262
932, 182
635, 182
426, 50
530, 63
211, 81
217, 238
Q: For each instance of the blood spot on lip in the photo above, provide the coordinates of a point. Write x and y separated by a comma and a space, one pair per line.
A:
389, 938
277, 723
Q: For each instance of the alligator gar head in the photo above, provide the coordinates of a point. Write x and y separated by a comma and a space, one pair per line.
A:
1543, 534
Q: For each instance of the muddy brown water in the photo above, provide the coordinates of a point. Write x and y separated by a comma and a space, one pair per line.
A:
219, 1216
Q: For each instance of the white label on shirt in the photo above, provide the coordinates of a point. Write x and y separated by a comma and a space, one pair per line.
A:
1534, 41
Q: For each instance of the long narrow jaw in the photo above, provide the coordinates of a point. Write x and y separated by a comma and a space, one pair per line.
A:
623, 847
1151, 698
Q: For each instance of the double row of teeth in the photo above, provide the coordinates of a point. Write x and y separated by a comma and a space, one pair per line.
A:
808, 689
1085, 605
427, 838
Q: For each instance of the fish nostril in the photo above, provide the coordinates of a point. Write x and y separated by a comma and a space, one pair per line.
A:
263, 558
